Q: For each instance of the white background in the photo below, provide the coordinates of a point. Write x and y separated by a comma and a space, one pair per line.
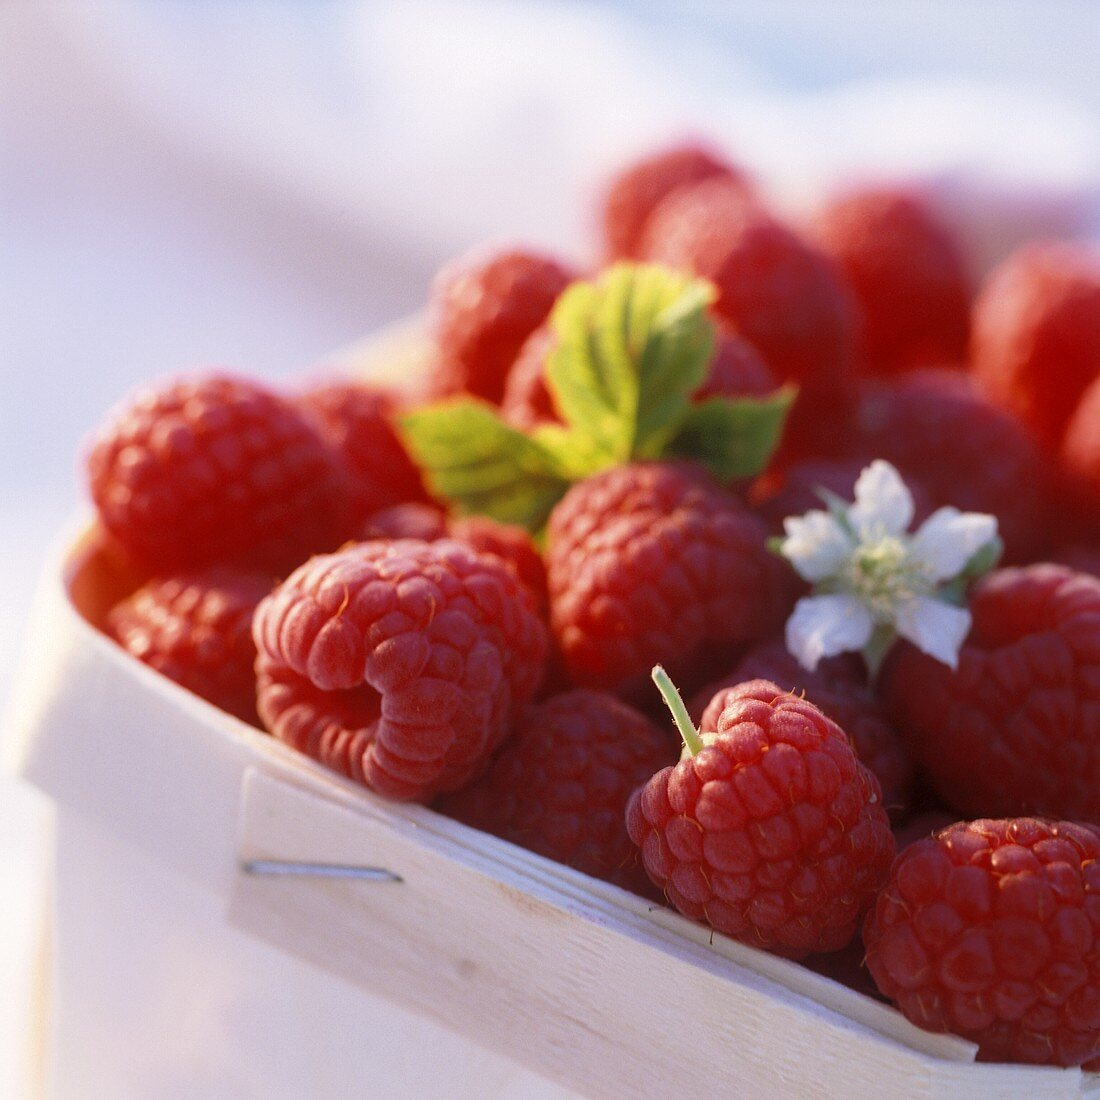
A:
196, 183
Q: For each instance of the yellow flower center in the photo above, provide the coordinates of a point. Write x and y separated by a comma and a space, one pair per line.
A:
881, 574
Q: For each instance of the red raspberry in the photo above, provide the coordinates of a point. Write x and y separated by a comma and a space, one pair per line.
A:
1016, 729
736, 370
637, 190
774, 833
406, 521
527, 402
653, 563
358, 421
217, 469
794, 491
936, 429
1036, 343
922, 827
989, 930
838, 688
401, 665
908, 275
1080, 557
513, 545
1081, 456
559, 787
774, 289
509, 542
196, 629
846, 967
483, 309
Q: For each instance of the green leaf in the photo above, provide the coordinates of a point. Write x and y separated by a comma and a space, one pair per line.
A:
470, 457
631, 348
734, 438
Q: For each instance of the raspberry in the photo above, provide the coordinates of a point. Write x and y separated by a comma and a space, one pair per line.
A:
773, 832
483, 309
401, 665
1016, 729
908, 276
217, 470
196, 629
405, 521
839, 690
1081, 455
512, 544
1036, 341
653, 563
988, 930
358, 421
774, 289
1080, 557
637, 190
559, 787
795, 490
527, 402
736, 370
935, 428
846, 967
921, 827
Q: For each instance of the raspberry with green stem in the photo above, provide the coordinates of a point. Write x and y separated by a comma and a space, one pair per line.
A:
693, 743
769, 829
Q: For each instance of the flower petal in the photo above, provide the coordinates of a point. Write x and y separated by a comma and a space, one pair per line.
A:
815, 545
884, 505
948, 539
934, 627
823, 626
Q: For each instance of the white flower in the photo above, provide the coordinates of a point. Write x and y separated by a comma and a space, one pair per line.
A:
873, 580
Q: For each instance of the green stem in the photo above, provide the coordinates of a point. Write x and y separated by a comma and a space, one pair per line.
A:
680, 715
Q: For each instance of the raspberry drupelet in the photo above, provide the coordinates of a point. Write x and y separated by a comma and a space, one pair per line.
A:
769, 829
988, 929
483, 309
399, 664
1015, 728
560, 785
196, 628
217, 470
654, 562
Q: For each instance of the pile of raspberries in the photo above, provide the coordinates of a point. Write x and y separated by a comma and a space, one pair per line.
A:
294, 568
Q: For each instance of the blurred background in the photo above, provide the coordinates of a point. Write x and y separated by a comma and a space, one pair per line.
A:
255, 185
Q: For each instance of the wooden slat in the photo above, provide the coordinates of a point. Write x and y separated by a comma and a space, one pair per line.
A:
609, 1006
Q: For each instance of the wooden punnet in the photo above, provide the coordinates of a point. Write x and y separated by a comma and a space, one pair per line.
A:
182, 965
